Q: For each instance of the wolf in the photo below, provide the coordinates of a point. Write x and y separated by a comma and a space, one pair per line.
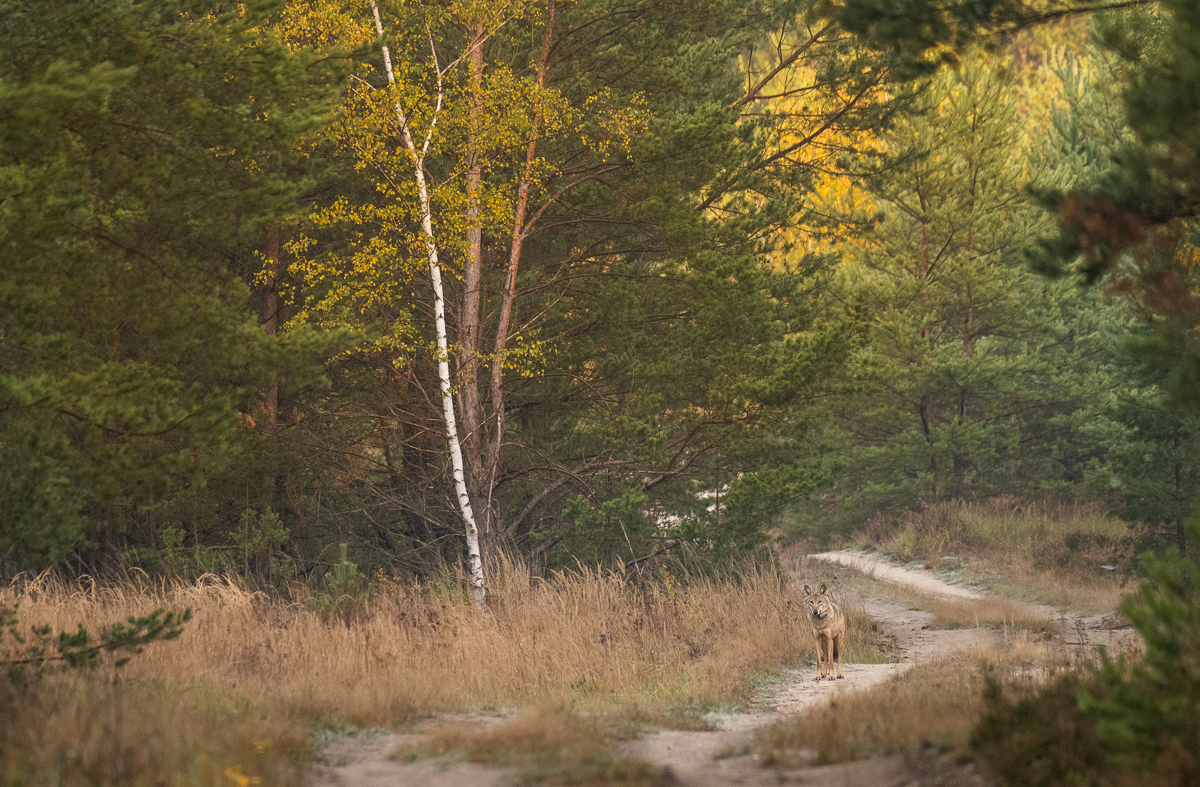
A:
829, 628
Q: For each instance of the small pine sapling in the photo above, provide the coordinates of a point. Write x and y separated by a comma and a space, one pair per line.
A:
79, 649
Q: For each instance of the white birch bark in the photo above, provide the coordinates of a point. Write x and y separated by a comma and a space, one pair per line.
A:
474, 558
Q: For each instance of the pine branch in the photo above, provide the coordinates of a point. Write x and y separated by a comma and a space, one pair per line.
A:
79, 651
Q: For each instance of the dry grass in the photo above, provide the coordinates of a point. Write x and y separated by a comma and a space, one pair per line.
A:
1051, 553
415, 650
74, 729
998, 613
250, 668
935, 703
862, 634
548, 746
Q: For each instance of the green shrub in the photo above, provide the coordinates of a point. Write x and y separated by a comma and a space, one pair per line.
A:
1148, 712
344, 592
1122, 721
1040, 738
21, 654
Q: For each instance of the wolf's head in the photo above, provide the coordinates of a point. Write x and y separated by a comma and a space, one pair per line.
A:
816, 602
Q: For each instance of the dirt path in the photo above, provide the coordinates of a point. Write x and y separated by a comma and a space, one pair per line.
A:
1084, 631
689, 755
723, 757
887, 571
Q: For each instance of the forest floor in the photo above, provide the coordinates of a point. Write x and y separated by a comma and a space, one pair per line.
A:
726, 755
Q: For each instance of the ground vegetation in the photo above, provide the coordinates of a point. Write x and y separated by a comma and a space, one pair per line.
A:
324, 318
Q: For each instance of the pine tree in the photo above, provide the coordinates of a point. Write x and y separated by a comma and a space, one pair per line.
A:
135, 177
1131, 225
973, 365
628, 337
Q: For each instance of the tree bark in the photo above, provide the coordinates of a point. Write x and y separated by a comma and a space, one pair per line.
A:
486, 424
1180, 532
470, 319
269, 314
474, 557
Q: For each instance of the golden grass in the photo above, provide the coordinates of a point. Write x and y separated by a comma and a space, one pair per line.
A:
1046, 552
935, 703
548, 746
253, 668
932, 703
989, 612
74, 729
575, 637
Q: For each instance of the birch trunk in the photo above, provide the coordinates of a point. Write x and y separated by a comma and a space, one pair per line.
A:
474, 558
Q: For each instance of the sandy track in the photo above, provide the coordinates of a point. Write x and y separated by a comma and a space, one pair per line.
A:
920, 580
364, 760
1073, 630
689, 755
722, 757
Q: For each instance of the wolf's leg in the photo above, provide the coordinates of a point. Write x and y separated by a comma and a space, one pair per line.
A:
820, 657
839, 645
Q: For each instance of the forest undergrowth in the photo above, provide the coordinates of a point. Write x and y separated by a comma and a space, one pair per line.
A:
238, 698
255, 679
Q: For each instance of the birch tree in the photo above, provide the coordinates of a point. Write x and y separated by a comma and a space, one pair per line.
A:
601, 189
418, 155
497, 125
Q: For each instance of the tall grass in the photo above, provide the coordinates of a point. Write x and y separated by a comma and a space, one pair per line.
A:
264, 670
73, 729
1046, 551
935, 703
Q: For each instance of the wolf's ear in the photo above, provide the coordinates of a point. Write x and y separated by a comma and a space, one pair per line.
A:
822, 588
807, 590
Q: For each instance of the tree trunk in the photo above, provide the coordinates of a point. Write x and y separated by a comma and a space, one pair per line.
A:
1180, 535
470, 320
927, 430
485, 439
474, 557
269, 313
508, 293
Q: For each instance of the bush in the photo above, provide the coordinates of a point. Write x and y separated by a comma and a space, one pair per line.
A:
1042, 738
344, 591
1149, 712
1121, 721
